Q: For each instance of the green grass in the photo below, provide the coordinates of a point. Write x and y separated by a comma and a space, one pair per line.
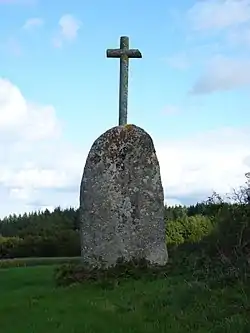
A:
31, 303
33, 261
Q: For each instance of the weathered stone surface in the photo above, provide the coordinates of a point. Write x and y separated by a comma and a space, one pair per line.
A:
121, 199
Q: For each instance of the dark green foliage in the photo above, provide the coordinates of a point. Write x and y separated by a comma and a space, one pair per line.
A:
176, 212
133, 269
228, 246
39, 222
41, 234
223, 255
9, 246
231, 234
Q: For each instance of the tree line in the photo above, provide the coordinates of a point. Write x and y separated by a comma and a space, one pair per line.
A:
56, 234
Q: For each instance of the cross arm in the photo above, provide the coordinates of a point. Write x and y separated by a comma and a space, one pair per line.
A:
117, 53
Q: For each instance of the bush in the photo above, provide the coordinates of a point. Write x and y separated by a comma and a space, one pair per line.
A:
231, 236
175, 233
63, 243
224, 254
9, 246
189, 229
135, 269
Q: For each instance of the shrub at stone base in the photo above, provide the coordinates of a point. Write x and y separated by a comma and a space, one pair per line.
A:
135, 269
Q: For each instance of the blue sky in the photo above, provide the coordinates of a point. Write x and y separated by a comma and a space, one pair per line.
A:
190, 91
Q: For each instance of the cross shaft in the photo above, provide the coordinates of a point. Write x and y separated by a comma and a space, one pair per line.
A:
124, 53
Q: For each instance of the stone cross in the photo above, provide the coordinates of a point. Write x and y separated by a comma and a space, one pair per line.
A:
124, 53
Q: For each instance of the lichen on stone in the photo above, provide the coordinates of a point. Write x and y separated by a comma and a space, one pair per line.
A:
129, 127
122, 214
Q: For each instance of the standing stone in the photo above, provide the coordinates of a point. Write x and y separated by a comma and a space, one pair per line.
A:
121, 200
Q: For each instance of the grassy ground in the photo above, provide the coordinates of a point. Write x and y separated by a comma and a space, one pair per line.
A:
30, 302
20, 262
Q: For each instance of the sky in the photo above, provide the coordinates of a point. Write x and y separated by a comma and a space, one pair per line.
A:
59, 93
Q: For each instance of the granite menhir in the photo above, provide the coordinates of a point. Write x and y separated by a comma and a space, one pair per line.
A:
121, 200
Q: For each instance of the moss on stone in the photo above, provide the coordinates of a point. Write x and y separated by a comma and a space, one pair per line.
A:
129, 127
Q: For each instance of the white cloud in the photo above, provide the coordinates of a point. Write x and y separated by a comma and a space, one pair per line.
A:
21, 120
219, 14
38, 169
33, 23
228, 23
69, 27
33, 152
196, 166
223, 73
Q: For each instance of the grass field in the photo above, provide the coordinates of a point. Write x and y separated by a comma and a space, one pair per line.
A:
30, 303
21, 262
